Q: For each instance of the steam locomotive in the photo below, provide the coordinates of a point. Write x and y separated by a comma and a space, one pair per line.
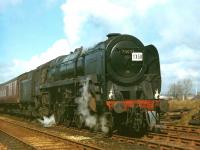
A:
118, 80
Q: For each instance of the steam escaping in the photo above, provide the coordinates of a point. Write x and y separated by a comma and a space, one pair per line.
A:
90, 120
115, 93
152, 118
104, 123
156, 95
48, 121
93, 121
111, 93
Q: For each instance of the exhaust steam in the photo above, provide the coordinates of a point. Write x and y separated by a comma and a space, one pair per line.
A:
48, 121
93, 121
90, 120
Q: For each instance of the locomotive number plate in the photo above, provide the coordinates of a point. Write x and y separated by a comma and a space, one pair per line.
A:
137, 56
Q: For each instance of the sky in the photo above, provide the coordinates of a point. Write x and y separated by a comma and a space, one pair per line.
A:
33, 32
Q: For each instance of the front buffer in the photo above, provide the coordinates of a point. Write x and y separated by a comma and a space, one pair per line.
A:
134, 117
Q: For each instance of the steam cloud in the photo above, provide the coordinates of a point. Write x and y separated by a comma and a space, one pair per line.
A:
103, 122
48, 121
91, 121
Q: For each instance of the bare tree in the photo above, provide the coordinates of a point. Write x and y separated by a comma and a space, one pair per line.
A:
173, 90
186, 87
180, 89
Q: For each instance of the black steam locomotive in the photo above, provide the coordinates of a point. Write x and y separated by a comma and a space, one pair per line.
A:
117, 79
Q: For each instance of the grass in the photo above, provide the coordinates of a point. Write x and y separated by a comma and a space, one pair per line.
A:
194, 105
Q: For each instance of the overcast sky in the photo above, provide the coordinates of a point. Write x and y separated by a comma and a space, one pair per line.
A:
33, 32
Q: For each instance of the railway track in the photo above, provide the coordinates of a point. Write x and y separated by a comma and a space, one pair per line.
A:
165, 141
181, 130
162, 142
190, 129
3, 147
85, 137
157, 141
179, 141
8, 142
37, 139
